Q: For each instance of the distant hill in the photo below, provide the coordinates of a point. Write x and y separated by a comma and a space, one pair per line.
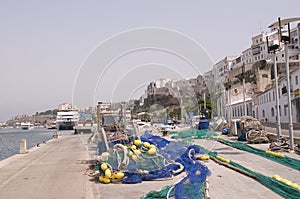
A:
48, 112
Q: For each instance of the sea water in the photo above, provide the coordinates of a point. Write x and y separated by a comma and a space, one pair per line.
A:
10, 139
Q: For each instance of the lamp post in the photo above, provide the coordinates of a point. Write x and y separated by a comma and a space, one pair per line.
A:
244, 91
273, 49
291, 134
277, 97
228, 88
242, 79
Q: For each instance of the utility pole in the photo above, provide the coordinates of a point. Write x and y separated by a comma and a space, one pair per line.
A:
228, 88
274, 48
244, 90
287, 68
277, 97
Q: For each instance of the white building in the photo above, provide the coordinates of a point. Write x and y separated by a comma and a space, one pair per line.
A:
222, 68
267, 104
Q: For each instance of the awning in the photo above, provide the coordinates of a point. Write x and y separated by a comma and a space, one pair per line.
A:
296, 98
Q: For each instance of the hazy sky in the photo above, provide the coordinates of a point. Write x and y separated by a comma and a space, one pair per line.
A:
43, 44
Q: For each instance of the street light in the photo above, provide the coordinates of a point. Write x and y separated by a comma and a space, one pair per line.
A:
286, 40
228, 88
242, 79
244, 91
273, 49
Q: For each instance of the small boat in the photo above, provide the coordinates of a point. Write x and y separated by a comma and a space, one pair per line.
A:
51, 125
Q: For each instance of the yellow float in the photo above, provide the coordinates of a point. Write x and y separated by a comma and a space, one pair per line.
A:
151, 151
103, 166
107, 173
146, 144
137, 142
134, 158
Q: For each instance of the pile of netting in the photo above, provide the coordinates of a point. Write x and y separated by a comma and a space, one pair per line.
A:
192, 185
152, 158
283, 187
276, 157
188, 135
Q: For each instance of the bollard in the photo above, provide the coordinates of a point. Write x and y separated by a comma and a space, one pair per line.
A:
23, 147
55, 135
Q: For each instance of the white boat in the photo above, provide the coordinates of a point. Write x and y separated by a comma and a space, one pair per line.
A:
51, 125
26, 125
67, 117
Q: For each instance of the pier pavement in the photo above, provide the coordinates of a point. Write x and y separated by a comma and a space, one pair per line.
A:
56, 169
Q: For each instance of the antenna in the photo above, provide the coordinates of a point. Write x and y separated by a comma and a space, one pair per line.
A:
279, 26
289, 31
268, 44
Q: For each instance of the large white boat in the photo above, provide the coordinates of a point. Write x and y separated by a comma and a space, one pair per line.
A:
26, 125
67, 117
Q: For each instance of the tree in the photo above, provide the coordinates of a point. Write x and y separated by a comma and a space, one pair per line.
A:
208, 105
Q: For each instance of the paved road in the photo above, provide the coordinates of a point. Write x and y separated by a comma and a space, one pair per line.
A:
226, 183
55, 170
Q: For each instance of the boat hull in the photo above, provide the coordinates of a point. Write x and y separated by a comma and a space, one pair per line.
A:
65, 125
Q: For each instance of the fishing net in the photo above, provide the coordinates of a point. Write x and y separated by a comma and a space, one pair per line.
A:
151, 158
190, 187
281, 186
188, 135
279, 158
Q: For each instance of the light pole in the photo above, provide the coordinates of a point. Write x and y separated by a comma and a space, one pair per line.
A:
277, 97
289, 96
242, 79
244, 91
273, 49
228, 88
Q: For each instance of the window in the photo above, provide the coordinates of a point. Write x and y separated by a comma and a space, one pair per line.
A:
272, 112
296, 80
285, 107
247, 110
269, 97
263, 113
279, 110
282, 55
273, 96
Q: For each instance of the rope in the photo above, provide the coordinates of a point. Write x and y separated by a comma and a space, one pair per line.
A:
124, 164
254, 136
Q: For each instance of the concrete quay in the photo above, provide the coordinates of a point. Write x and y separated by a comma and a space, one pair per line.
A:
57, 170
53, 170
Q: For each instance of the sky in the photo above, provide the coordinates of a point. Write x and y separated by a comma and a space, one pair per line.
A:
46, 46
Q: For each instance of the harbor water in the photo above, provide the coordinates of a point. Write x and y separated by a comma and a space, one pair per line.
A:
10, 139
